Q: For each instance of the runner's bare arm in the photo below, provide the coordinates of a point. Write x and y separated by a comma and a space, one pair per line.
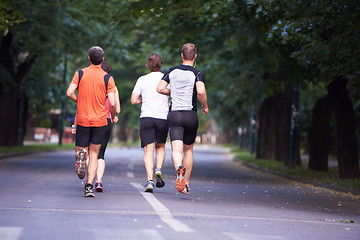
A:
73, 127
112, 102
162, 88
117, 101
70, 93
201, 94
135, 98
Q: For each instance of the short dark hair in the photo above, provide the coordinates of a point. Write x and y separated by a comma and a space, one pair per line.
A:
189, 51
154, 62
96, 55
105, 66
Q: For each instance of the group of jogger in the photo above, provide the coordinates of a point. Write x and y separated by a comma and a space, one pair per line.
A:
98, 103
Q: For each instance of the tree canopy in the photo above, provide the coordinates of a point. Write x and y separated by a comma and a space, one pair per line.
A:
249, 50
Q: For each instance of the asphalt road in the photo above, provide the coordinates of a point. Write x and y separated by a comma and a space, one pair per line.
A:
42, 198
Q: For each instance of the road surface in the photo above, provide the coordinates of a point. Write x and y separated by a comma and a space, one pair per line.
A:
42, 198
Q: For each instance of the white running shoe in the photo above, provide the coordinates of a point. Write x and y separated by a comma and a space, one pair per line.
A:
150, 186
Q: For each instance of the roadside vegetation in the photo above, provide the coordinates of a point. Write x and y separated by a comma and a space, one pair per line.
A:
303, 173
35, 147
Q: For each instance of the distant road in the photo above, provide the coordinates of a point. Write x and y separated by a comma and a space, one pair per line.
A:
42, 198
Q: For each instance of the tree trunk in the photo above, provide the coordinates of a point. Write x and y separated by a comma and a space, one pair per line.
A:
9, 118
11, 82
347, 153
23, 116
267, 129
123, 136
274, 127
319, 135
283, 125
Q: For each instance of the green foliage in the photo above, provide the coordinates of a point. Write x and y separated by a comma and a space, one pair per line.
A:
9, 16
248, 50
323, 35
302, 173
68, 28
35, 148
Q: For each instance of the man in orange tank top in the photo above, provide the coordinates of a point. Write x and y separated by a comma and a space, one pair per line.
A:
91, 114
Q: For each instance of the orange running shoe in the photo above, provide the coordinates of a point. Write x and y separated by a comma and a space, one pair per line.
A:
180, 179
185, 190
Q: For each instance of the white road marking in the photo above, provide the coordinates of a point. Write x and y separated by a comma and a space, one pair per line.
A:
130, 174
240, 236
162, 211
10, 233
129, 234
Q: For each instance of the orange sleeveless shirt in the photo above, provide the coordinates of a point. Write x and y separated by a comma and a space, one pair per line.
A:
91, 107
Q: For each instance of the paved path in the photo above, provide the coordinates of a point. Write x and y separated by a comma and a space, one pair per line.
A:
42, 198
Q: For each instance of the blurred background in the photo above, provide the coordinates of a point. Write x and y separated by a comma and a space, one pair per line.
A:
282, 76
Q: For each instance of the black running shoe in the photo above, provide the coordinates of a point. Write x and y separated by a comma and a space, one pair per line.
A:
159, 178
89, 190
98, 187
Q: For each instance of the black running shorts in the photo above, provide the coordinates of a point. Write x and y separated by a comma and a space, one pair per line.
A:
86, 135
183, 126
106, 139
153, 130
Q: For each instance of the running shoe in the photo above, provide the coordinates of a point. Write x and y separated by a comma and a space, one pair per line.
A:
150, 186
98, 187
180, 178
80, 163
89, 190
185, 190
159, 178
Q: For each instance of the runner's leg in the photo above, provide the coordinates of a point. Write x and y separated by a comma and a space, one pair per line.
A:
82, 143
101, 162
78, 149
176, 153
96, 138
80, 166
93, 162
100, 170
188, 160
190, 132
160, 154
149, 160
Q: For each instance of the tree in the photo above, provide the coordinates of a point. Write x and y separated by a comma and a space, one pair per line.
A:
327, 34
252, 52
32, 48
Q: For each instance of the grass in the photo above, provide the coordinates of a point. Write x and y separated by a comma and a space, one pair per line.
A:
330, 177
35, 147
